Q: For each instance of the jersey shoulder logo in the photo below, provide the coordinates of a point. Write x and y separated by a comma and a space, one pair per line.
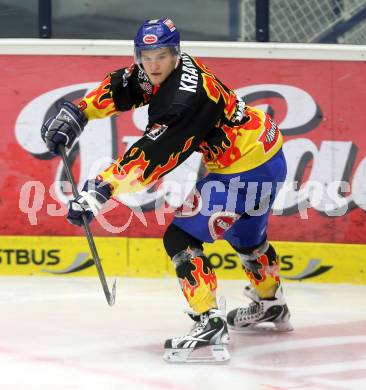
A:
155, 131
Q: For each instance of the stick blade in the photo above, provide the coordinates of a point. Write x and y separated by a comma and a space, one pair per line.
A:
112, 296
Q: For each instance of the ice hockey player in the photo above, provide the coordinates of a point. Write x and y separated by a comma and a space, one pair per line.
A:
191, 110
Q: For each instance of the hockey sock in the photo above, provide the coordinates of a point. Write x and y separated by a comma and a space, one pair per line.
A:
197, 279
261, 267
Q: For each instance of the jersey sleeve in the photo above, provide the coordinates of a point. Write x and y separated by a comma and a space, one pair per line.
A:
119, 91
163, 147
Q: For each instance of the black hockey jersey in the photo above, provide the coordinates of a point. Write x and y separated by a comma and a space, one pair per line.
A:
190, 111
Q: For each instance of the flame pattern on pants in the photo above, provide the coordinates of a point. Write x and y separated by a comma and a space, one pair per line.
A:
198, 281
263, 273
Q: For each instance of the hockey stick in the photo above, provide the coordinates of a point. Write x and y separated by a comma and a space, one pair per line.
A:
111, 297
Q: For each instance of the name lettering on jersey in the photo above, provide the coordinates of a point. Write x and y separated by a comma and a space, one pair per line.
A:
189, 78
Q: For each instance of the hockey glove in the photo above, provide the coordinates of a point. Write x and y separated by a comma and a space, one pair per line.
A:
90, 201
63, 128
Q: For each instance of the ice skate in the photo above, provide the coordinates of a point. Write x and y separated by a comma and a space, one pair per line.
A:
205, 343
249, 292
261, 311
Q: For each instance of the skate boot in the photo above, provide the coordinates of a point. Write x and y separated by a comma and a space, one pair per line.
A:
205, 343
260, 311
249, 292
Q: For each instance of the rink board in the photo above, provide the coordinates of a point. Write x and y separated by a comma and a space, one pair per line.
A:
145, 257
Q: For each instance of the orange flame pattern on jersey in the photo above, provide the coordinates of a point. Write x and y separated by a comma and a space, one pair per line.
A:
256, 120
139, 164
124, 176
203, 66
188, 144
215, 90
99, 103
200, 296
160, 170
173, 161
225, 154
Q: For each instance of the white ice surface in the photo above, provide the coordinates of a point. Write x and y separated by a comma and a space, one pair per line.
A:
59, 333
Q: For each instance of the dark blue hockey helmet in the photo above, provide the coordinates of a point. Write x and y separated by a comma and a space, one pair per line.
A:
156, 34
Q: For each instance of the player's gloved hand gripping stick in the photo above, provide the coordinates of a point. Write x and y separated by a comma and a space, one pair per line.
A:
110, 296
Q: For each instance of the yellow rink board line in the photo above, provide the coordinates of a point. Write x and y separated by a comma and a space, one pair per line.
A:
146, 257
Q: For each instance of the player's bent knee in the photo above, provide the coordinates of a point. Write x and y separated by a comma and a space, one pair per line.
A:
177, 240
250, 254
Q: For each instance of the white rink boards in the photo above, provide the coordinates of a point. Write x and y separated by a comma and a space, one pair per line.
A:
59, 333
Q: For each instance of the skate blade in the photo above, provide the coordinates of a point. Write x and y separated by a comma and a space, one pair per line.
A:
284, 326
215, 354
